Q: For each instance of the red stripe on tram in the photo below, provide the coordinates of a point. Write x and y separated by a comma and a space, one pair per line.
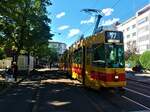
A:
109, 77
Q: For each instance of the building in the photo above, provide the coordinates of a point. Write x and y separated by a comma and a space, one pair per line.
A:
137, 30
60, 47
22, 63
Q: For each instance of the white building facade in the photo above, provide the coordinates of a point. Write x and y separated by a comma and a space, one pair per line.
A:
60, 47
137, 30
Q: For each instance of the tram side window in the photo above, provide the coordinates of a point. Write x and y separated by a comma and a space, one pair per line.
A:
98, 58
77, 56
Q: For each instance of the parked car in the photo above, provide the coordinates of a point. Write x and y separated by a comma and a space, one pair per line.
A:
137, 68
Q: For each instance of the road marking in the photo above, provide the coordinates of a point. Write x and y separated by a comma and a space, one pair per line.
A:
137, 92
136, 102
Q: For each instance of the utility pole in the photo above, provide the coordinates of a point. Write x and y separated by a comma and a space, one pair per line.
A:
98, 15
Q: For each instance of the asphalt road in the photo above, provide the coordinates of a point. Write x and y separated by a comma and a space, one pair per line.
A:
64, 95
20, 98
56, 93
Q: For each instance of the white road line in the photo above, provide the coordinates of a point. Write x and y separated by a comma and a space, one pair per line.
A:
136, 92
136, 102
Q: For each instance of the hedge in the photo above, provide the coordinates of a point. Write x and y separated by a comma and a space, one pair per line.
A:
145, 60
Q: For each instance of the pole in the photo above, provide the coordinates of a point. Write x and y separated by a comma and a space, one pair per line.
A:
97, 23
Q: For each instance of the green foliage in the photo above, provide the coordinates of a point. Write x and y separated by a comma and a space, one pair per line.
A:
53, 55
133, 60
45, 53
2, 54
145, 60
24, 24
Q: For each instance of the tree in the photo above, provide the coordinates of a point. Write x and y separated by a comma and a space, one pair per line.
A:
2, 53
131, 49
24, 24
133, 60
53, 55
49, 55
145, 60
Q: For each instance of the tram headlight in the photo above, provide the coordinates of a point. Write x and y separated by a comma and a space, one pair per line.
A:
116, 77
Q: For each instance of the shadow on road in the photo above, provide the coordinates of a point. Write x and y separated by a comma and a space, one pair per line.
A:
19, 99
62, 97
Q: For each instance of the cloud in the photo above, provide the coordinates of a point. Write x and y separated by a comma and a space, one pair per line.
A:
73, 32
63, 27
60, 15
107, 11
90, 20
110, 21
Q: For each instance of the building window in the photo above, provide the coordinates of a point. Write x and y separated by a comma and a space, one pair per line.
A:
141, 21
148, 46
143, 38
133, 26
128, 28
128, 36
134, 34
143, 29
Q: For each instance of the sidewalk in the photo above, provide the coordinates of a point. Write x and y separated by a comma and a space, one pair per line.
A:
47, 69
145, 73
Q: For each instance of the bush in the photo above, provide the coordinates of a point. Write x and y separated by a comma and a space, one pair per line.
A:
133, 60
145, 60
2, 53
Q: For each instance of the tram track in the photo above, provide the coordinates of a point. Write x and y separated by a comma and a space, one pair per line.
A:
134, 80
115, 102
137, 103
125, 103
124, 98
138, 87
138, 93
101, 103
134, 83
110, 102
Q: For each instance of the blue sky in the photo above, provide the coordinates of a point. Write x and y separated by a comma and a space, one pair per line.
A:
69, 22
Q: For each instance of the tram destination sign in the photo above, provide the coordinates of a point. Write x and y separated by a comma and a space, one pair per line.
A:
113, 37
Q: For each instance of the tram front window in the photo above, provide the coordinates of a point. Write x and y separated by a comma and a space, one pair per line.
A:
115, 56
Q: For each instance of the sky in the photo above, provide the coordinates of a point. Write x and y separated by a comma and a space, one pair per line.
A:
69, 22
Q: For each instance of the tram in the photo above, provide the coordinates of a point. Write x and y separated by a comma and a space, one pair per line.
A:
97, 61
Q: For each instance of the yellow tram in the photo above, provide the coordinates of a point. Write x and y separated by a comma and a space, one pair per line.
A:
98, 60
